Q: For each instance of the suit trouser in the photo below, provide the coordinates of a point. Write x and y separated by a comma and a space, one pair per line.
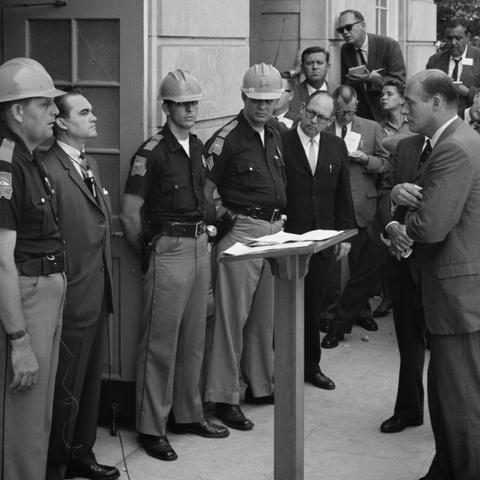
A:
453, 400
170, 354
410, 331
366, 260
317, 291
243, 319
26, 417
77, 397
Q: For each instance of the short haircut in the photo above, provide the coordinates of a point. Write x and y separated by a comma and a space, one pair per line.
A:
316, 49
457, 22
355, 13
289, 84
325, 94
62, 104
395, 82
436, 82
345, 92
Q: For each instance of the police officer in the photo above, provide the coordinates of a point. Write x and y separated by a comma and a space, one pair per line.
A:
32, 279
245, 163
167, 179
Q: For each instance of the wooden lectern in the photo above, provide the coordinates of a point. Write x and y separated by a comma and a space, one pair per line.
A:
289, 268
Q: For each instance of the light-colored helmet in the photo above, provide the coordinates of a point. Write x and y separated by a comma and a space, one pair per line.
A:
25, 78
180, 86
262, 82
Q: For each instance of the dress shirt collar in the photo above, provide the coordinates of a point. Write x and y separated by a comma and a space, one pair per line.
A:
311, 90
305, 139
338, 128
467, 116
436, 135
73, 153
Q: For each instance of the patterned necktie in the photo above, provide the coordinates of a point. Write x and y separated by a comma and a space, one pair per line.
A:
455, 70
426, 152
312, 159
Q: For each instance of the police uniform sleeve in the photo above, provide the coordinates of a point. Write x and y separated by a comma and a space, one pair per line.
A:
218, 153
11, 188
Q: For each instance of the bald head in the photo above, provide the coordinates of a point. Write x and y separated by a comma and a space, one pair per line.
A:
431, 99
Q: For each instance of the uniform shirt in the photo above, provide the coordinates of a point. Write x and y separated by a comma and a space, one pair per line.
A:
388, 129
171, 183
245, 171
26, 200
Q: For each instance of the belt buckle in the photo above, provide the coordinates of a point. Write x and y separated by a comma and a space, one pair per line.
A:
50, 258
274, 214
198, 229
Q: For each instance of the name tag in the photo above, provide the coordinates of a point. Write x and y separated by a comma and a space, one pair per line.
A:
468, 61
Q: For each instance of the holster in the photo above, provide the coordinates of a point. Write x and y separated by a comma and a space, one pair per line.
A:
225, 222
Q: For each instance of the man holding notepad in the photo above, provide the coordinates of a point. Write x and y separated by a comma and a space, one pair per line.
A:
367, 60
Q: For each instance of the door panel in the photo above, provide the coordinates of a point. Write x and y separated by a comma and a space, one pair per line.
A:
99, 47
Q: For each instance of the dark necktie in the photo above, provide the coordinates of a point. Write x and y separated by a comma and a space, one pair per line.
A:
426, 152
87, 175
362, 58
344, 131
455, 70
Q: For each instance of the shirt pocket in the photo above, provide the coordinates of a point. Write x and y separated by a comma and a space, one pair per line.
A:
41, 214
246, 170
175, 191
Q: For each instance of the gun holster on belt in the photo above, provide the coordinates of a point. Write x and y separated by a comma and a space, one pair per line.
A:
147, 241
225, 222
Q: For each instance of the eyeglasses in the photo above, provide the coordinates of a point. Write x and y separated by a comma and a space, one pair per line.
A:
312, 114
344, 113
347, 28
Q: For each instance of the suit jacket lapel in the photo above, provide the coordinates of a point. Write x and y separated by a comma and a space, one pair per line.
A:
415, 172
372, 53
300, 151
444, 62
466, 68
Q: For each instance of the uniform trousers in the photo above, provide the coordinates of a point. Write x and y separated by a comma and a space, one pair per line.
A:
170, 354
26, 417
453, 400
243, 319
77, 397
410, 331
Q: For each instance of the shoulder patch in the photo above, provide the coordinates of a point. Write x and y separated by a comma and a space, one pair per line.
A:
6, 150
139, 166
217, 146
153, 141
6, 188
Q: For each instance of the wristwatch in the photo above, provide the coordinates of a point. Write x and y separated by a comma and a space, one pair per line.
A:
17, 335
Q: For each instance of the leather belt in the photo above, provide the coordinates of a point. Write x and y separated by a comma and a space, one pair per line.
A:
267, 214
47, 265
179, 229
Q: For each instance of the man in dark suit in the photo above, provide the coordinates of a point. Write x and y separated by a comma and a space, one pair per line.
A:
315, 66
381, 56
84, 216
367, 158
318, 197
459, 60
405, 173
443, 220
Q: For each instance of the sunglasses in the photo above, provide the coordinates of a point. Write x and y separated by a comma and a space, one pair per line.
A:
347, 28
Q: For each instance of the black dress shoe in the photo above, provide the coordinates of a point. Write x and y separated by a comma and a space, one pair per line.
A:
95, 472
204, 429
368, 324
395, 424
251, 400
157, 447
379, 313
331, 339
232, 416
325, 325
320, 380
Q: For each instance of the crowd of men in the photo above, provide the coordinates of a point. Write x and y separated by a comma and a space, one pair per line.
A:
382, 154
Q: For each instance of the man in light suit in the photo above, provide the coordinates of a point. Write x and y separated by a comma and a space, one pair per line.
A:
459, 60
318, 197
315, 66
443, 220
404, 275
84, 216
367, 255
381, 56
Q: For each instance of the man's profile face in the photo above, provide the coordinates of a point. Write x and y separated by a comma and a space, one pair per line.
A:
475, 109
419, 113
319, 105
456, 40
258, 111
356, 36
315, 68
284, 101
183, 115
38, 119
346, 110
81, 120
